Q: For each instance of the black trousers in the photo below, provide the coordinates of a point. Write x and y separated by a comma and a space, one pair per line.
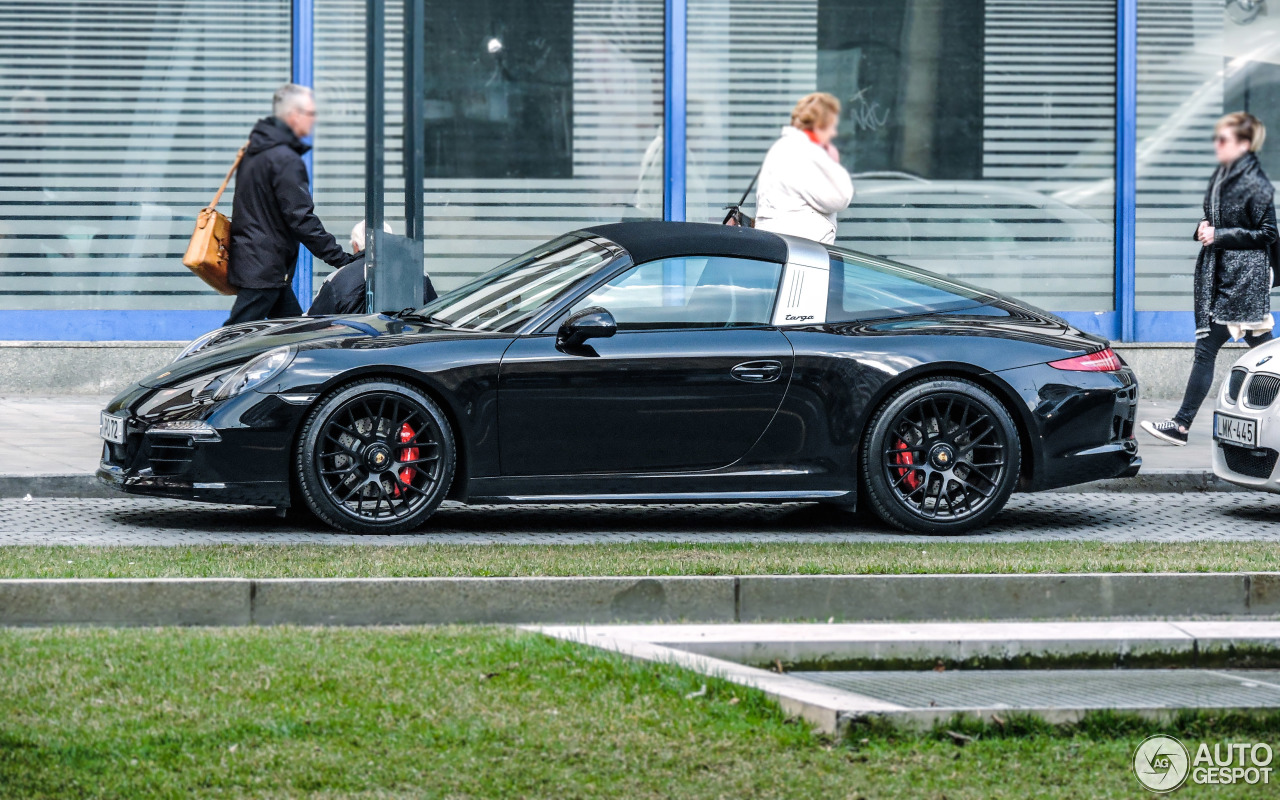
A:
254, 304
1202, 369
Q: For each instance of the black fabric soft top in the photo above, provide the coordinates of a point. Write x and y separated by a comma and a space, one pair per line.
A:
649, 241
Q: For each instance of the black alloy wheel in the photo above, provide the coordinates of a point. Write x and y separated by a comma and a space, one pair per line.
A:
941, 456
375, 457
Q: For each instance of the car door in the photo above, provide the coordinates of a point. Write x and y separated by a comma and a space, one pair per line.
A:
690, 381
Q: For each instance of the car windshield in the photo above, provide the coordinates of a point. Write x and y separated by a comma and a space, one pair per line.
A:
508, 296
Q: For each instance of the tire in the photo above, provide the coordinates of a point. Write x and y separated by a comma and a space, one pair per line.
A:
375, 457
940, 456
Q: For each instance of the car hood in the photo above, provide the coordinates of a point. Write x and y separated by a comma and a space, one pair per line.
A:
236, 344
1261, 358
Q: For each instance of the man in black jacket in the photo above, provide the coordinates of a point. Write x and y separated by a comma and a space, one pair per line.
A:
273, 212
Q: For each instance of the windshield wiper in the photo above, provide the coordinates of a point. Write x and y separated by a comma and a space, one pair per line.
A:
412, 314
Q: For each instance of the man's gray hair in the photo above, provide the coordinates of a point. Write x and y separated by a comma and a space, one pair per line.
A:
288, 98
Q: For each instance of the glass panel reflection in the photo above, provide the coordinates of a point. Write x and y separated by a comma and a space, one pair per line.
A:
1197, 59
980, 135
117, 123
541, 118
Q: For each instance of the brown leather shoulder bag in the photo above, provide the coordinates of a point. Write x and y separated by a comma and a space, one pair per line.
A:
207, 252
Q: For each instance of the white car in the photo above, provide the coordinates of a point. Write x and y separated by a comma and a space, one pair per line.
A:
1246, 422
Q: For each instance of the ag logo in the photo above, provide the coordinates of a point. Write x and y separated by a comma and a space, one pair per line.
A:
1161, 763
1262, 361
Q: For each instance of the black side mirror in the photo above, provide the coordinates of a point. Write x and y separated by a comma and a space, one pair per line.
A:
589, 323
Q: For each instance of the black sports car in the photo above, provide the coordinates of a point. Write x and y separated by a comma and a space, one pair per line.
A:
640, 362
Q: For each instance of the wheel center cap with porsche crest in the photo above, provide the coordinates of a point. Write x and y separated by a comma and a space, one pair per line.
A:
942, 456
378, 456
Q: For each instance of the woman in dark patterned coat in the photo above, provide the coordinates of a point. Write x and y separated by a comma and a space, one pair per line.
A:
1238, 254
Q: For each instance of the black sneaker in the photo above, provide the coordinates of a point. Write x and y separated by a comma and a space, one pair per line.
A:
1166, 430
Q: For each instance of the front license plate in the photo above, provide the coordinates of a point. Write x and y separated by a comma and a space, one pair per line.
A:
1235, 430
111, 428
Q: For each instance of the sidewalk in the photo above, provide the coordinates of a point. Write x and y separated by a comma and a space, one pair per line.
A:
1195, 457
49, 447
50, 435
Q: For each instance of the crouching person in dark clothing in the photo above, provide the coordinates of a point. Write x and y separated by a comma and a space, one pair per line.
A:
272, 212
343, 292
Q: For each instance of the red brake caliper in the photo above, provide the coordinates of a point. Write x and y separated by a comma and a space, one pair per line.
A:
407, 454
907, 460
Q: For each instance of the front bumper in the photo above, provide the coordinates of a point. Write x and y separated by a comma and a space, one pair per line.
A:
1251, 467
262, 493
246, 463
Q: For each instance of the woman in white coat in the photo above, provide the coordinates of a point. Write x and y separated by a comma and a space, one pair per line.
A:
802, 185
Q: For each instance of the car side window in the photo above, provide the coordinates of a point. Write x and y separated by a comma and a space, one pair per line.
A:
690, 292
869, 290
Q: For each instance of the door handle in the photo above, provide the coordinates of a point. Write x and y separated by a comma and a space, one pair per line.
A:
757, 371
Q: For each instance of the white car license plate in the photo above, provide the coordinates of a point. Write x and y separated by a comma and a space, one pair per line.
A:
1235, 430
111, 428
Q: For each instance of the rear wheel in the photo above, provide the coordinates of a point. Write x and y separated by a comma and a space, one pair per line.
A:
940, 456
375, 457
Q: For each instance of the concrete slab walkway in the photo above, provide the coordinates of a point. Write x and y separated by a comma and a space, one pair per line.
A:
832, 698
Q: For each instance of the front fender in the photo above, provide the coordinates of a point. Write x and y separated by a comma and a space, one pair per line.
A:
460, 374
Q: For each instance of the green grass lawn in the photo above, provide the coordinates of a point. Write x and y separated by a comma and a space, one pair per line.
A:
639, 558
482, 713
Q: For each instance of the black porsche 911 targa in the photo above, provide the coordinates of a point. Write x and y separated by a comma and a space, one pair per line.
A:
633, 363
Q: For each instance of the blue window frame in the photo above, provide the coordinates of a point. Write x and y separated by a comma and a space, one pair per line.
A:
303, 74
1126, 166
674, 107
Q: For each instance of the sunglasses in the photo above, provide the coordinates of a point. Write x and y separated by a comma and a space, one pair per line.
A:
1222, 139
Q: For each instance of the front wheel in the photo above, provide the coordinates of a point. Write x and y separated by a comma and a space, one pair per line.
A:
375, 457
941, 456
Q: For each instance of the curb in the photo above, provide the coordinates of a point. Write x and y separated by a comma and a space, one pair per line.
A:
752, 598
1152, 481
1159, 481
1007, 597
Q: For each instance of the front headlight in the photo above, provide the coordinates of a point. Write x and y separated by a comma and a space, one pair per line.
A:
255, 372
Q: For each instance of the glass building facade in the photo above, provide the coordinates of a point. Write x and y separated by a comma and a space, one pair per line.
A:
980, 133
1055, 151
117, 122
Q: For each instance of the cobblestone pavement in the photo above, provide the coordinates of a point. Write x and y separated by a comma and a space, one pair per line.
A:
1037, 517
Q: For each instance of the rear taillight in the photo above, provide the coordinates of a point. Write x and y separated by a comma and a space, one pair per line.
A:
1101, 361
